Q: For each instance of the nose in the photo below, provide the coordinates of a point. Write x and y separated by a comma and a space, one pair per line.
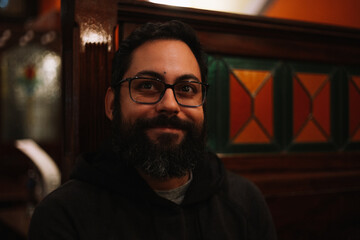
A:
168, 104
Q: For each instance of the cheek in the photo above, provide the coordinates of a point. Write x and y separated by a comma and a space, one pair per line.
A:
195, 114
128, 110
131, 111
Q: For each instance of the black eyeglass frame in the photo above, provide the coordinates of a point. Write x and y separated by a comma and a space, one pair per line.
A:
205, 87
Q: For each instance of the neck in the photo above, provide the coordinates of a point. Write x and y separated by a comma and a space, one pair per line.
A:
164, 184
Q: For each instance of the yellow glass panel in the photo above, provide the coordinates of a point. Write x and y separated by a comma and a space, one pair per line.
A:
310, 133
356, 80
251, 79
252, 133
312, 81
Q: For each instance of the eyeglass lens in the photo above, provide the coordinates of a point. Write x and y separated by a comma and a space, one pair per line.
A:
150, 90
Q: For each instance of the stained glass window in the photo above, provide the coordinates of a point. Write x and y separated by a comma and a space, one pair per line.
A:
264, 105
251, 106
30, 91
311, 107
354, 108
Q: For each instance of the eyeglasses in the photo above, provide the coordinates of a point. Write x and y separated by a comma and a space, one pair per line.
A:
146, 90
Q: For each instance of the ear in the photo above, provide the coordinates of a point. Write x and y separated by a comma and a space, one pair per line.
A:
109, 103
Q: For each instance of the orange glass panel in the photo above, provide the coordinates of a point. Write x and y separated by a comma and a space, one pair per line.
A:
310, 133
251, 79
356, 137
354, 108
312, 81
117, 37
301, 106
252, 134
264, 106
321, 108
240, 106
356, 80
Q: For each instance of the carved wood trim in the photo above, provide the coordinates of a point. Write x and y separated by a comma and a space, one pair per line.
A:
254, 36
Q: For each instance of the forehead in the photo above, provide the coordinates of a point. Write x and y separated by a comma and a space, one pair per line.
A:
171, 57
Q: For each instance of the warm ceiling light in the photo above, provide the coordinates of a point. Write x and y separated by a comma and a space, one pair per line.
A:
179, 3
250, 7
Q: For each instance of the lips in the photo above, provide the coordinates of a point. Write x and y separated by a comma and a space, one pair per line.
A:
166, 129
162, 122
166, 136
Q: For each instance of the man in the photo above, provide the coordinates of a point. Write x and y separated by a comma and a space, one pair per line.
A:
155, 180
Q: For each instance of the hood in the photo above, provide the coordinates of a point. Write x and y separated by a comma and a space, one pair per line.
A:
106, 170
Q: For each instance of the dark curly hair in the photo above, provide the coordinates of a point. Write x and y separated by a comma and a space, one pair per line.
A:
174, 29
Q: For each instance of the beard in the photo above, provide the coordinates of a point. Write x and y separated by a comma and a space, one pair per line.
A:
163, 158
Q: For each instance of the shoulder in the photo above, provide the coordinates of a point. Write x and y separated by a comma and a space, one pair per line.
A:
241, 188
69, 192
61, 213
245, 195
71, 198
236, 186
53, 214
66, 196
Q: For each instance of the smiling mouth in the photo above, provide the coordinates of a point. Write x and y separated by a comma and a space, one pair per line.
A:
160, 130
165, 135
165, 129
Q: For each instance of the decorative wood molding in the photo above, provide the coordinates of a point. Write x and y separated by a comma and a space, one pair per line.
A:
299, 174
254, 36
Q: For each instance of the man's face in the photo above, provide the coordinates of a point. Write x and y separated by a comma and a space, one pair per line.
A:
170, 60
163, 139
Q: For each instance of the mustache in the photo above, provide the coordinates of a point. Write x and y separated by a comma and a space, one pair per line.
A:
164, 121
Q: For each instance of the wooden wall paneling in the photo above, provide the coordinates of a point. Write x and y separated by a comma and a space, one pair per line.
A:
298, 173
86, 76
331, 215
254, 36
310, 195
70, 87
95, 64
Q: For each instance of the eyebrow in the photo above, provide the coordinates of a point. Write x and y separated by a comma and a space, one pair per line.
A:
149, 73
162, 77
186, 77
